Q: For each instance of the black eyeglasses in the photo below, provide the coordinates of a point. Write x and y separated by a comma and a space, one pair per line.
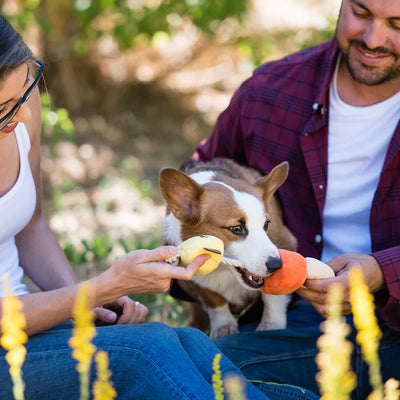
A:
11, 114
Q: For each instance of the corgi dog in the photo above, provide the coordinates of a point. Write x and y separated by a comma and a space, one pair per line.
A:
237, 205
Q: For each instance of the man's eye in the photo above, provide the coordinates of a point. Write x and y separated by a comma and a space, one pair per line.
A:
395, 26
361, 13
266, 224
237, 229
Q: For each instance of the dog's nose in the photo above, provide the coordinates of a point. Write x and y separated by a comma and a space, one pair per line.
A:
273, 263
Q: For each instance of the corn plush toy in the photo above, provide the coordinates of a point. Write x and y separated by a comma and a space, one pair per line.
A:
203, 244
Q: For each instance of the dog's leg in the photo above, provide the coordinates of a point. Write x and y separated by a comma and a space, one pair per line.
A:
198, 317
274, 313
211, 308
222, 322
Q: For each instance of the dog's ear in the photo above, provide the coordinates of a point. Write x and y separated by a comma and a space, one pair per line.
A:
182, 194
270, 183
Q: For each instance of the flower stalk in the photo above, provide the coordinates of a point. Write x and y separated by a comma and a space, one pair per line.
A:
13, 338
217, 378
81, 340
103, 388
335, 378
369, 334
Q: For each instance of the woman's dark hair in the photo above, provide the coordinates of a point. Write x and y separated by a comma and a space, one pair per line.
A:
13, 50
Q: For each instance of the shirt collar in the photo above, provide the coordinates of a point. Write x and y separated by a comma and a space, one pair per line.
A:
321, 103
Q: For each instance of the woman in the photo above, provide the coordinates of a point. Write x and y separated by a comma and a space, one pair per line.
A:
148, 361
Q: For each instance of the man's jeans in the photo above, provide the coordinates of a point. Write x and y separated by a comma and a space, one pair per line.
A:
288, 356
148, 361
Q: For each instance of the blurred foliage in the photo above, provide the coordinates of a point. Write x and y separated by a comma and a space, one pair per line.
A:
320, 35
69, 30
259, 48
56, 124
24, 16
95, 250
125, 20
128, 22
99, 248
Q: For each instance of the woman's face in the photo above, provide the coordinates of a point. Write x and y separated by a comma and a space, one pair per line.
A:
12, 89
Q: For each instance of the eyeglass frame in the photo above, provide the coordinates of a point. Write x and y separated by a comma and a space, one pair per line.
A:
10, 115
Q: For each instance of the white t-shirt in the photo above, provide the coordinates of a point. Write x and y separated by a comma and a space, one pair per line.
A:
357, 144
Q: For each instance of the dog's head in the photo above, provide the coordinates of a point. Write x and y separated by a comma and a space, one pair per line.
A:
245, 215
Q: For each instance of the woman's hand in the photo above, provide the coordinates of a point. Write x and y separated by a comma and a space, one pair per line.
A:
122, 311
145, 272
316, 290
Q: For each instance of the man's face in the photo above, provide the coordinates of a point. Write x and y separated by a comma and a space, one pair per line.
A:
368, 35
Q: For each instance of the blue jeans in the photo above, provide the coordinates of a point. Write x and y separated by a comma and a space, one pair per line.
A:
148, 361
288, 356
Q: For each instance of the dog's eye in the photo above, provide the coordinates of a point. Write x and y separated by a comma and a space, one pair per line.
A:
266, 224
237, 229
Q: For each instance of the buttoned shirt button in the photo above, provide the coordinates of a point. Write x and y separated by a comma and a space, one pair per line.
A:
321, 186
318, 238
315, 106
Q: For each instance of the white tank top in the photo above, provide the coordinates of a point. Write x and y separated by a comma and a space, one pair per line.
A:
16, 210
357, 144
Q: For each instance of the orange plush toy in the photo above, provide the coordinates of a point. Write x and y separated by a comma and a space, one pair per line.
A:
294, 272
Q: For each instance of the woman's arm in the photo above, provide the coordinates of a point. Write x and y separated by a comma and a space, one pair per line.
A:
138, 272
39, 251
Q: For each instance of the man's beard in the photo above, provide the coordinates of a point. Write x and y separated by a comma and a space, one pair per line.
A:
366, 74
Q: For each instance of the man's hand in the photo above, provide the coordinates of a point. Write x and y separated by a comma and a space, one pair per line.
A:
316, 290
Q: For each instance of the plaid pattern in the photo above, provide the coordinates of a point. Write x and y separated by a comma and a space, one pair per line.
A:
281, 113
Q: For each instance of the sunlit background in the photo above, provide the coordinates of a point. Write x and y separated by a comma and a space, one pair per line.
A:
131, 86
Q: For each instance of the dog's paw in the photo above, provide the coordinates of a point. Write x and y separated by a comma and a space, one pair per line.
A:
223, 331
271, 325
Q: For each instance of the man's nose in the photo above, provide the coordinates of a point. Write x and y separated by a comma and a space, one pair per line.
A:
375, 35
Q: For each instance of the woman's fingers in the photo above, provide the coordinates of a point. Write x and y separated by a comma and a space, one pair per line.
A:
188, 272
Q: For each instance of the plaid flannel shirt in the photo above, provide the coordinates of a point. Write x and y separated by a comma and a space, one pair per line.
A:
281, 113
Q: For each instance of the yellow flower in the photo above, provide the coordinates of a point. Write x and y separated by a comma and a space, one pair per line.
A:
13, 338
103, 388
216, 378
392, 389
335, 378
234, 387
80, 342
362, 303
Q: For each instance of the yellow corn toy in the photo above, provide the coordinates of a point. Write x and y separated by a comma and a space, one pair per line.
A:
203, 244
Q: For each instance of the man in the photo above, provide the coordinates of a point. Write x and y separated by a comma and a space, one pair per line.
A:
333, 112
